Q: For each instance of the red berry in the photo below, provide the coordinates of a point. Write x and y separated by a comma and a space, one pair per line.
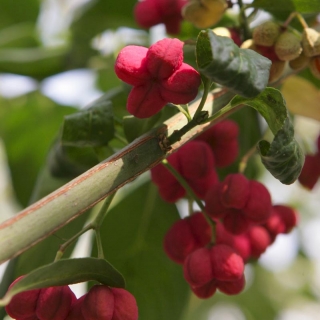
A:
205, 291
98, 303
178, 241
213, 204
231, 287
267, 52
169, 187
197, 268
235, 191
125, 305
158, 75
258, 206
240, 243
54, 303
160, 11
200, 228
274, 225
287, 215
181, 239
75, 311
196, 164
23, 304
310, 172
236, 222
222, 138
227, 265
259, 240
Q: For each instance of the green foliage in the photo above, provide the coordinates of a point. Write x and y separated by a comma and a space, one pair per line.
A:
134, 127
302, 6
64, 272
92, 127
28, 125
241, 70
132, 239
283, 157
21, 11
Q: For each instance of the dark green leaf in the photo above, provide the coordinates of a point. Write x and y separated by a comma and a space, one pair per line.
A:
133, 234
92, 127
241, 70
70, 271
302, 6
134, 127
283, 157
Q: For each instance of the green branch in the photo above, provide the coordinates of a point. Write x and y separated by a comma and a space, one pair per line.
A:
52, 212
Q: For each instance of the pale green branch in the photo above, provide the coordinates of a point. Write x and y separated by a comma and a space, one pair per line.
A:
49, 214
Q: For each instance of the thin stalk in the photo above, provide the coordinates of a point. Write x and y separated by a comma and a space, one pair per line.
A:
244, 161
244, 21
206, 89
99, 244
188, 189
197, 118
224, 112
120, 138
97, 221
299, 17
65, 245
95, 225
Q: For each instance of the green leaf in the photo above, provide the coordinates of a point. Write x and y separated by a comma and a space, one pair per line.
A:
133, 234
283, 157
36, 62
18, 11
302, 6
64, 272
134, 127
92, 127
241, 70
28, 124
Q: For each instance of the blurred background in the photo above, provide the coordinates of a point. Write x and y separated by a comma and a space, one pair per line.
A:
57, 56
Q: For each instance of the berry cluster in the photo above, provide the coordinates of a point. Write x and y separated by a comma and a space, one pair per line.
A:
60, 303
310, 173
240, 221
281, 45
196, 161
204, 13
201, 13
239, 203
158, 76
160, 11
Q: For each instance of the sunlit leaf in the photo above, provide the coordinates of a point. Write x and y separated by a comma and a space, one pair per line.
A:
302, 97
302, 6
241, 70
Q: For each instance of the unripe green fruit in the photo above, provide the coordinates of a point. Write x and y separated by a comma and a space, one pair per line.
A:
315, 66
311, 42
217, 6
299, 63
204, 14
287, 46
276, 70
266, 33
